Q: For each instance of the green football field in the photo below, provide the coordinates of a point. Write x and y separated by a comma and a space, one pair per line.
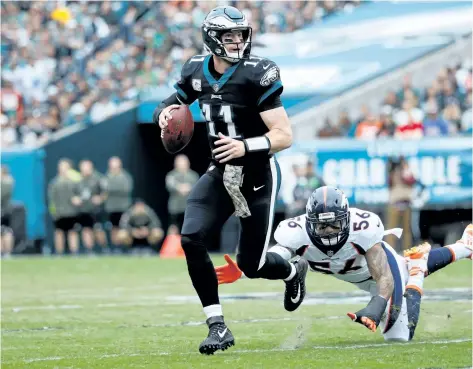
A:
117, 312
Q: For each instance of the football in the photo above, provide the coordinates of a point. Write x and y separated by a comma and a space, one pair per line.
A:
179, 131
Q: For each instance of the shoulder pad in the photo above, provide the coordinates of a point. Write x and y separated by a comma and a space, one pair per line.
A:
291, 233
366, 234
191, 65
265, 72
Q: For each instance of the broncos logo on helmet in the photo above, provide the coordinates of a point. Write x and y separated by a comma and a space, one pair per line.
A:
219, 21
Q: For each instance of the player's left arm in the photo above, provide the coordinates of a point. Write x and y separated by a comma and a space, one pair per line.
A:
379, 269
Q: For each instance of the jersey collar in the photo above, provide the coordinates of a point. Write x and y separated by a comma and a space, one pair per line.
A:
217, 85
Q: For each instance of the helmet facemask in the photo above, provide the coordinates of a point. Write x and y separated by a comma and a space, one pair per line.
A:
218, 42
328, 229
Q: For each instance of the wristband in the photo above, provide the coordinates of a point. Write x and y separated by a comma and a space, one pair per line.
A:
257, 144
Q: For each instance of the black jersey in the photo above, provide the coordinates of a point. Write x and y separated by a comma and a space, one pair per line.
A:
232, 102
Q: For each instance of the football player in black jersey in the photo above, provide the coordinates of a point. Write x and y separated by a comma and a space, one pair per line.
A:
239, 95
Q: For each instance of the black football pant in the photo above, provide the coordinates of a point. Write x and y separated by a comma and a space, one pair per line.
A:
209, 206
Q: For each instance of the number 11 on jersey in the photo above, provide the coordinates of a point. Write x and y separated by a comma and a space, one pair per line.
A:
227, 116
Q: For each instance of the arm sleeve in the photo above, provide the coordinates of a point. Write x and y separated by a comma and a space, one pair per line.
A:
171, 100
185, 93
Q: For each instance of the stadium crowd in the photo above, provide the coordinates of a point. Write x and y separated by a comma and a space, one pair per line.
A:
442, 108
71, 62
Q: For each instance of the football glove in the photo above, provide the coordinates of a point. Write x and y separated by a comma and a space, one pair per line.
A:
371, 315
228, 273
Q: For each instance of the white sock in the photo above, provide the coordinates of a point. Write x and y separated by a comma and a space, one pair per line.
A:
293, 273
459, 250
416, 282
213, 310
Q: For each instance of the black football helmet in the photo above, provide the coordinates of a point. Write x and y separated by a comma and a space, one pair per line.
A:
219, 21
328, 207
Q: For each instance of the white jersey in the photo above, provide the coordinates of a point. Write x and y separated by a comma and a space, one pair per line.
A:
348, 263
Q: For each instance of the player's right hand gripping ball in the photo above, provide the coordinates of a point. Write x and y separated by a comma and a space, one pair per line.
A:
179, 131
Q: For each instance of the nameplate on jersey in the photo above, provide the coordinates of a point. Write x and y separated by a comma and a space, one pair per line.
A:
327, 217
197, 84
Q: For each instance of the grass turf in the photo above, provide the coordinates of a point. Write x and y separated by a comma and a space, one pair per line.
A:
115, 312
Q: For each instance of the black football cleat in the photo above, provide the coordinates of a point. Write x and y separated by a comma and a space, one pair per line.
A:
295, 288
219, 338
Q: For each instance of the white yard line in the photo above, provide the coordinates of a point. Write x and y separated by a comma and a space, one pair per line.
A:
231, 352
354, 297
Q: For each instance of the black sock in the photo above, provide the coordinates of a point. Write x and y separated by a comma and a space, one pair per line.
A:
201, 270
438, 258
413, 298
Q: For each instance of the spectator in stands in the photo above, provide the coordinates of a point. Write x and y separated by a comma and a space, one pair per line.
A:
452, 114
7, 186
401, 182
329, 129
140, 226
433, 124
467, 117
9, 131
83, 50
89, 196
407, 88
179, 183
346, 126
118, 194
409, 121
369, 128
61, 190
391, 100
388, 127
103, 109
12, 104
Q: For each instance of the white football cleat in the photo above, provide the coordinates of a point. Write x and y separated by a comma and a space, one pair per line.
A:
416, 258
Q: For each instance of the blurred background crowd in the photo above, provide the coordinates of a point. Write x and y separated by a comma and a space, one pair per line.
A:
79, 62
441, 108
68, 65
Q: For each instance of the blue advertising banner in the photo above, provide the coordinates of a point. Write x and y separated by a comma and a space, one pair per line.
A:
27, 168
359, 168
